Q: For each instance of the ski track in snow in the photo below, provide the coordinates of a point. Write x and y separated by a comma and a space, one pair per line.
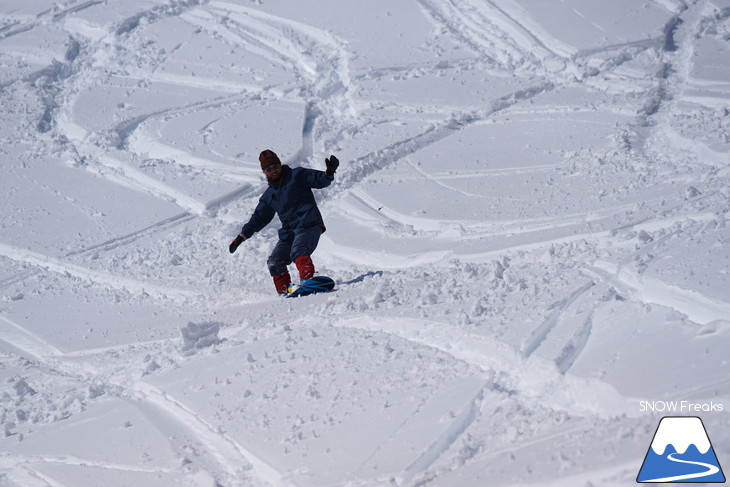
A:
102, 278
527, 357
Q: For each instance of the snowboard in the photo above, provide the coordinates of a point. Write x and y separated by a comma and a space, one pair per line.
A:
317, 284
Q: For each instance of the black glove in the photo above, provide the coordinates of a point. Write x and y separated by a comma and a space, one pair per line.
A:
236, 242
332, 164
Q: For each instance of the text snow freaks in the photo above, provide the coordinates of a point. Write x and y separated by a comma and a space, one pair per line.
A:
680, 407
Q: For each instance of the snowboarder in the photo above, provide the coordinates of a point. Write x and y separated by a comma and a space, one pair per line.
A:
290, 196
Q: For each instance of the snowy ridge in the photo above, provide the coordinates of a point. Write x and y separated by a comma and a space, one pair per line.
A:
230, 455
534, 378
528, 231
701, 309
24, 341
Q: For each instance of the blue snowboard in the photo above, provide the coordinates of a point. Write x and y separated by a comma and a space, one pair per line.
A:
317, 284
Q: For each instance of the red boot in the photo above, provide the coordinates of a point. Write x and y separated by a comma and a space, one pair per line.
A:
282, 281
305, 267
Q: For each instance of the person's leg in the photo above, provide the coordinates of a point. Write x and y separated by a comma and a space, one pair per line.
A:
278, 262
305, 242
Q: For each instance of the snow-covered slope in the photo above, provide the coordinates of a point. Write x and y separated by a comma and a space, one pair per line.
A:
529, 231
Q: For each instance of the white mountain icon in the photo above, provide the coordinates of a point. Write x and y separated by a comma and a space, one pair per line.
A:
681, 452
680, 432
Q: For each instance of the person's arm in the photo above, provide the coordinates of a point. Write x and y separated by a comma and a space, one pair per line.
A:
262, 216
321, 179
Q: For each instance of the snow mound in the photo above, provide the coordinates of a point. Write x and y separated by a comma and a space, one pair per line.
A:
197, 336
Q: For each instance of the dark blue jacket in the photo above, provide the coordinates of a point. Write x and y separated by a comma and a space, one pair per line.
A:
292, 199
